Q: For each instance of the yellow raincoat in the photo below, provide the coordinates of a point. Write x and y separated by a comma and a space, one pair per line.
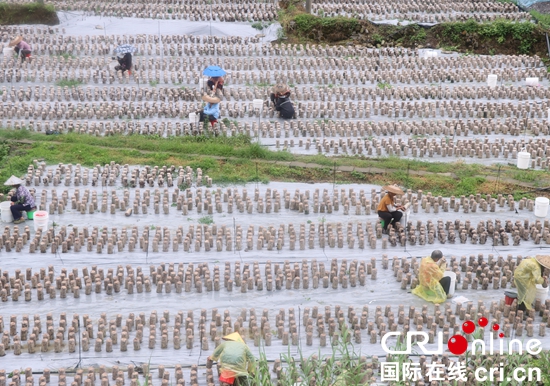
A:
234, 358
429, 288
526, 277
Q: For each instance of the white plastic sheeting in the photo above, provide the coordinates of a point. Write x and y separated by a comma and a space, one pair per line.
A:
76, 23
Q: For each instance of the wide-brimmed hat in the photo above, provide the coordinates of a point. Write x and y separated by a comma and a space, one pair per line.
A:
543, 260
210, 99
13, 180
16, 41
234, 337
393, 189
281, 88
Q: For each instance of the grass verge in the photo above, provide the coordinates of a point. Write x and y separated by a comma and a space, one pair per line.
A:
500, 36
27, 13
68, 83
234, 160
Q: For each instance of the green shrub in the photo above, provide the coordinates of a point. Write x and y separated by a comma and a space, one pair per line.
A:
501, 30
332, 28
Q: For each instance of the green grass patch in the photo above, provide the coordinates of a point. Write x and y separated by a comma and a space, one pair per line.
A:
206, 220
239, 146
66, 55
543, 19
27, 13
330, 29
260, 84
69, 83
259, 25
500, 31
238, 160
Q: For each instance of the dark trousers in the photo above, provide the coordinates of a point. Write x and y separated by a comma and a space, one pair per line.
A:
390, 217
522, 307
445, 283
123, 69
24, 54
16, 210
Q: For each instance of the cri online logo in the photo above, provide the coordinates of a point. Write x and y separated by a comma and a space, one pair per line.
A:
458, 344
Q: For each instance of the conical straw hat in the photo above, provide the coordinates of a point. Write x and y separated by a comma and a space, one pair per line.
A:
281, 89
393, 189
16, 41
235, 337
209, 99
543, 260
13, 180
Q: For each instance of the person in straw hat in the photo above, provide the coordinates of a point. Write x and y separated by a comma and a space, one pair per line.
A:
388, 211
527, 275
281, 100
433, 286
22, 48
21, 199
235, 360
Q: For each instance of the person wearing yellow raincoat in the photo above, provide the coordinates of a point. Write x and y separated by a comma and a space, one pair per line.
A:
527, 275
235, 360
433, 286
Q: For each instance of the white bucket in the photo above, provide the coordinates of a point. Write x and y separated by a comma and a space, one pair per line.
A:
202, 83
258, 104
542, 293
41, 219
5, 212
7, 51
403, 220
452, 275
523, 160
541, 206
492, 80
532, 81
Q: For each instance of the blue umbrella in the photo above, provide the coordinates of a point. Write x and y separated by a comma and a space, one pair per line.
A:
125, 48
214, 71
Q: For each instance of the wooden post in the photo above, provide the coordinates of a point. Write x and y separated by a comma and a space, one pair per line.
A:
308, 6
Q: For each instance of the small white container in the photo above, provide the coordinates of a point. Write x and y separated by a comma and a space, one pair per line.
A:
492, 80
532, 81
5, 211
7, 51
258, 104
541, 206
542, 293
523, 160
452, 275
41, 219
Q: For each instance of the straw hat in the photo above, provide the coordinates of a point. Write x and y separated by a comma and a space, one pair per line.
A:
235, 337
393, 189
13, 180
281, 88
16, 41
210, 99
543, 260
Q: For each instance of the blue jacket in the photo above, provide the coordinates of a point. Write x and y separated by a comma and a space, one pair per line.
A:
212, 109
